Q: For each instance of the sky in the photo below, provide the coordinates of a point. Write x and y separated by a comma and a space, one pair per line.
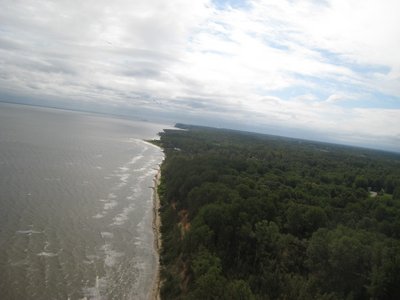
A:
317, 69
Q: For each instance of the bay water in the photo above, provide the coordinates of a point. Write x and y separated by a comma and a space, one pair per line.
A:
76, 205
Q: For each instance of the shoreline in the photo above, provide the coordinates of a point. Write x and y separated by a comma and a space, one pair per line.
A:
155, 293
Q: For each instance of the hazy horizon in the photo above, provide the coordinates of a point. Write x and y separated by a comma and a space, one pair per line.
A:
168, 124
318, 70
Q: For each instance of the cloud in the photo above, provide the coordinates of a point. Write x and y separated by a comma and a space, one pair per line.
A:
325, 66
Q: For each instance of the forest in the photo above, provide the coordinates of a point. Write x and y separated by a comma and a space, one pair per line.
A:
252, 216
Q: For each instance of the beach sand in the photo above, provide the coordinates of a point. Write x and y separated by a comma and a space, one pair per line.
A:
155, 295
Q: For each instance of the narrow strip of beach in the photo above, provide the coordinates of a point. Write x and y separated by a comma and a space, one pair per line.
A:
155, 294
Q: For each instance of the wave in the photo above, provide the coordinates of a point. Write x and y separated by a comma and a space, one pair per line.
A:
94, 292
98, 216
111, 256
29, 232
47, 254
110, 205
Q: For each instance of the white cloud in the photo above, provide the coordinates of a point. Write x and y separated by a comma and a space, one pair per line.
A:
282, 63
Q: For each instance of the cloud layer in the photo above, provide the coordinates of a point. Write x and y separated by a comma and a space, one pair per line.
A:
330, 68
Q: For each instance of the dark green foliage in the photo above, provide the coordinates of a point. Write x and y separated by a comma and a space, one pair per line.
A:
249, 216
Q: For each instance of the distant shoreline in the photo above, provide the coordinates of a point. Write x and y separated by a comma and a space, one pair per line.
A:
155, 294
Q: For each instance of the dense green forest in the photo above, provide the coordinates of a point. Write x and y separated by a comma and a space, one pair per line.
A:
251, 216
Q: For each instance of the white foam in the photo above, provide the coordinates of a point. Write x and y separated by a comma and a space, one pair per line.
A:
98, 216
120, 219
150, 144
46, 245
92, 257
22, 262
123, 168
28, 232
124, 177
149, 173
136, 159
47, 254
106, 235
94, 292
109, 205
140, 225
136, 189
111, 255
112, 196
152, 172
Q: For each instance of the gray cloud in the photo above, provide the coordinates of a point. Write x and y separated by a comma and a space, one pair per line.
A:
185, 60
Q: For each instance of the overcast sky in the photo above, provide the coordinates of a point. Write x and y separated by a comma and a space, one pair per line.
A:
320, 69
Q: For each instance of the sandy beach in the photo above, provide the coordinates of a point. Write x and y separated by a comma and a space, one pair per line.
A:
155, 295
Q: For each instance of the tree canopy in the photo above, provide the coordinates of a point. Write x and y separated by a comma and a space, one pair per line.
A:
251, 216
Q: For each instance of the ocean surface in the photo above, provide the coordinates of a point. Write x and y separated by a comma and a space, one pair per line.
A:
76, 205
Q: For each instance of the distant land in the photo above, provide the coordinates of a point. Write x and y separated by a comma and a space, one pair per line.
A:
148, 116
287, 138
